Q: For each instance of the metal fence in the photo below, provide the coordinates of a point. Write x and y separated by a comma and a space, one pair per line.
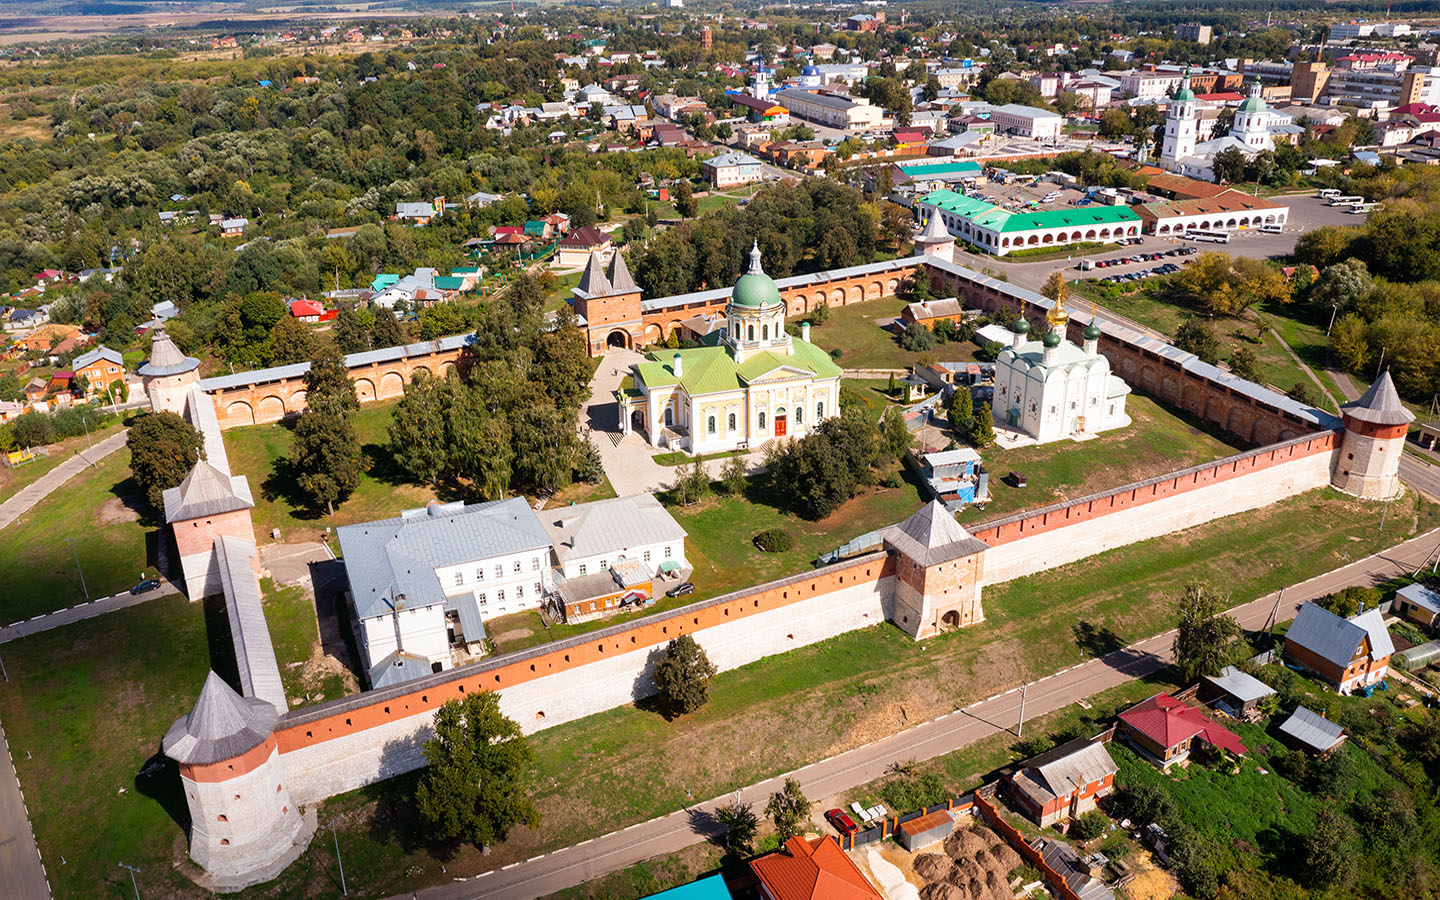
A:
964, 803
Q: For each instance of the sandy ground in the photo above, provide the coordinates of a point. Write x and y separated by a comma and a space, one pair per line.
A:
892, 881
1150, 881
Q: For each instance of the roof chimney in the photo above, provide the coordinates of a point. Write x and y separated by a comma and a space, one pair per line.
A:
805, 332
677, 363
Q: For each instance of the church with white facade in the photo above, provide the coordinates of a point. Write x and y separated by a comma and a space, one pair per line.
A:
1256, 128
1050, 389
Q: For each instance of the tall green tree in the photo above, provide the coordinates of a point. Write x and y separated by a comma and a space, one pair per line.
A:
1205, 637
1330, 851
1196, 335
292, 341
682, 676
474, 788
789, 809
683, 196
163, 449
982, 434
386, 330
350, 332
326, 453
960, 408
417, 431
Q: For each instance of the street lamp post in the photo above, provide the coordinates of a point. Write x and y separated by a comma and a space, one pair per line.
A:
344, 891
87, 441
133, 886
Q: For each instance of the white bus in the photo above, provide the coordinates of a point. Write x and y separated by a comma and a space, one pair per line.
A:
1326, 193
1214, 237
1346, 201
1272, 229
1359, 209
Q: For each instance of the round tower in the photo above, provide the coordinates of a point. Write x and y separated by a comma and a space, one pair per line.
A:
936, 240
1368, 465
168, 375
244, 827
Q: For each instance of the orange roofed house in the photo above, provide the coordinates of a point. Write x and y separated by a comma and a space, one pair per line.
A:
811, 870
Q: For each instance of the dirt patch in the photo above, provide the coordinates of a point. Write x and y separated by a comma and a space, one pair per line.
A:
1150, 882
114, 512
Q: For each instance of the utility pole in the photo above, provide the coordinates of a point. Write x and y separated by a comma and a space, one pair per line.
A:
344, 891
133, 885
75, 553
87, 441
1020, 731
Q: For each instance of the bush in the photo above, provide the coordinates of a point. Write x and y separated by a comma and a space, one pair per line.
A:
1304, 392
774, 540
907, 793
917, 337
1090, 826
836, 353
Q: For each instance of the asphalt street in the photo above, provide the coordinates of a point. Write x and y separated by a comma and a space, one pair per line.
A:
564, 868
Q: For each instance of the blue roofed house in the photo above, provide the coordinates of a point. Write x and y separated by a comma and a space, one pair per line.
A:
956, 478
711, 887
421, 583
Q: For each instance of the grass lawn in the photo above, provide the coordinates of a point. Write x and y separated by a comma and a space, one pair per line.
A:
295, 632
1083, 248
560, 290
125, 677
680, 458
649, 877
260, 452
1142, 305
26, 474
853, 330
580, 492
1158, 440
101, 509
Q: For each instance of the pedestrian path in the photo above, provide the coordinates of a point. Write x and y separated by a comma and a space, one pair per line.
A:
31, 494
82, 611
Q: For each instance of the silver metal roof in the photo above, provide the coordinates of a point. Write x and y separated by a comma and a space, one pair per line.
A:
166, 358
249, 632
1380, 404
99, 353
222, 725
368, 357
1335, 639
593, 280
398, 668
394, 560
932, 536
1237, 684
609, 526
1421, 596
1312, 729
468, 609
206, 491
1080, 766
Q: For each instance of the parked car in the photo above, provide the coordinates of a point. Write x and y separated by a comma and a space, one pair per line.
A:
841, 822
680, 590
145, 587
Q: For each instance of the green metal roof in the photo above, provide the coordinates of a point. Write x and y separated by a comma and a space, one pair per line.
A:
963, 167
535, 227
755, 290
806, 356
993, 217
1253, 104
711, 370
449, 282
1184, 94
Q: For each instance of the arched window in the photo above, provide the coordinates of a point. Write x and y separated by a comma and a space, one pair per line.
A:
820, 411
762, 421
730, 425
669, 418
765, 332
799, 415
751, 333
710, 425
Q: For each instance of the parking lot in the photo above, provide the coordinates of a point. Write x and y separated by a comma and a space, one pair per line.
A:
1139, 265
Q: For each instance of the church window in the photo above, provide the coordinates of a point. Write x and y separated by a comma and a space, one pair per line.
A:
583, 568
731, 422
646, 556
820, 410
500, 595
534, 563
751, 333
667, 551
479, 573
762, 421
765, 332
517, 566
669, 417
799, 415
519, 590
710, 425
481, 599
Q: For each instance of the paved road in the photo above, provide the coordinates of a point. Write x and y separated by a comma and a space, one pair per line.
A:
555, 871
82, 611
22, 872
32, 494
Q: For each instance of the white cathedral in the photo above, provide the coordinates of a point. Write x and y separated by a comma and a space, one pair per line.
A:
1050, 389
1256, 125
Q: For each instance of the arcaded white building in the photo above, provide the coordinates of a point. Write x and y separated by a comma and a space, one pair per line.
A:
1051, 389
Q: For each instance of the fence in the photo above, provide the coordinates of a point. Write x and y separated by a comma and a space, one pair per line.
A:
1029, 853
965, 803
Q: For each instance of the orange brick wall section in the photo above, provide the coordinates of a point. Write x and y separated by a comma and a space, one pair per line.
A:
248, 761
651, 631
1084, 509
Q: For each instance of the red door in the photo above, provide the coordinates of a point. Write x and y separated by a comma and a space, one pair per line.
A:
779, 426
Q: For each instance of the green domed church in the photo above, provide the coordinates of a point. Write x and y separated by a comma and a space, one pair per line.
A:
752, 382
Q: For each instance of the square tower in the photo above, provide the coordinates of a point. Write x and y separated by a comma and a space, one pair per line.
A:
938, 569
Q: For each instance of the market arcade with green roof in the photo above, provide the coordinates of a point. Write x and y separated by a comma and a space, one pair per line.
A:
1000, 231
752, 382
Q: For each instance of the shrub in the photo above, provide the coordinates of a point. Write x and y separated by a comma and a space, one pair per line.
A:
907, 793
1090, 826
774, 540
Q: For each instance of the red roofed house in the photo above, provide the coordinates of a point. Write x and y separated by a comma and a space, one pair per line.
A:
911, 138
575, 247
1165, 730
811, 870
312, 311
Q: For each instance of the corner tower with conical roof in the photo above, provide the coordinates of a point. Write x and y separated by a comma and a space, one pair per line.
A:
244, 825
1368, 465
168, 375
755, 315
936, 240
938, 569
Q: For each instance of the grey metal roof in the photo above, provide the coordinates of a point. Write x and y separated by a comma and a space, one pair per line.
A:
468, 609
1328, 636
619, 275
206, 491
1380, 404
1374, 624
249, 632
594, 281
609, 526
394, 560
828, 100
201, 411
932, 536
166, 358
222, 725
1312, 729
99, 353
352, 360
415, 210
1082, 762
398, 668
1421, 596
1239, 685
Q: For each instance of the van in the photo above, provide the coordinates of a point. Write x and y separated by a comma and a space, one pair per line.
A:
1272, 229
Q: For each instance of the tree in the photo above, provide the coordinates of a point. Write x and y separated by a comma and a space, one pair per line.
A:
385, 331
474, 787
692, 484
682, 676
417, 431
960, 408
1330, 850
982, 434
163, 450
789, 810
1342, 286
1228, 165
350, 332
916, 337
684, 199
1056, 287
1090, 825
1196, 335
35, 430
894, 436
1245, 364
1304, 392
740, 823
1205, 636
292, 342
733, 476
326, 453
1346, 602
